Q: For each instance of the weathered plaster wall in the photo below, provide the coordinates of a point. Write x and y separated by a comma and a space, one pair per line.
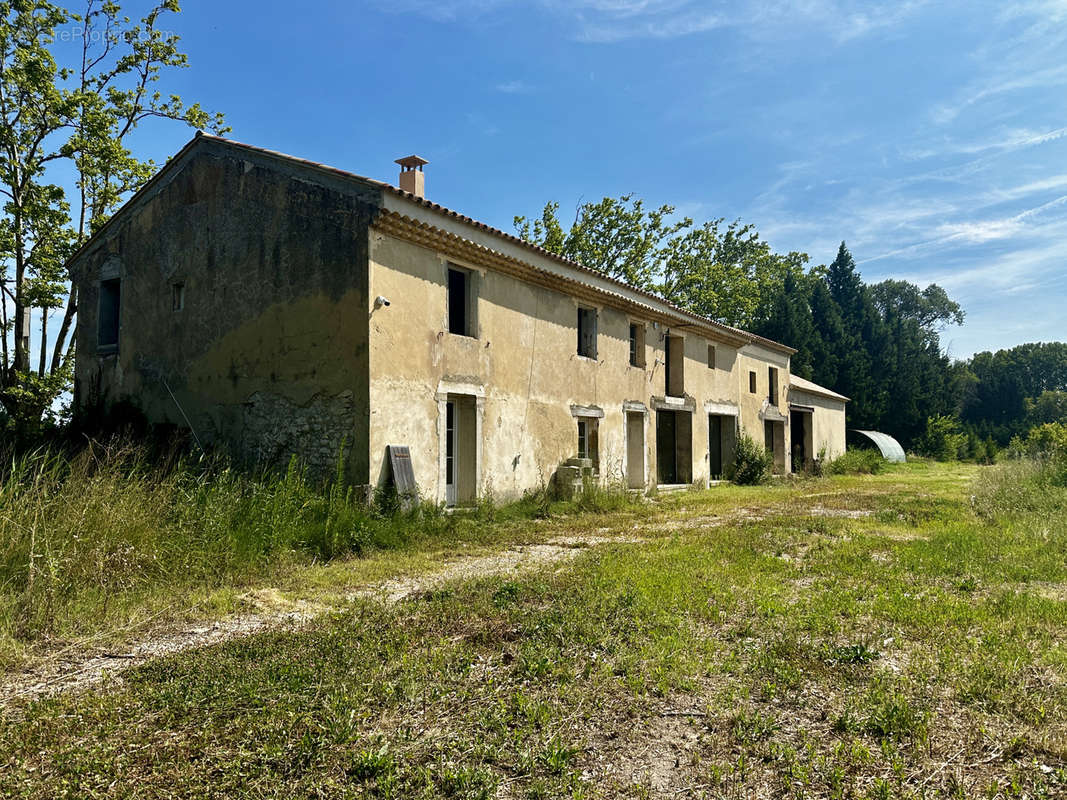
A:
523, 368
279, 349
828, 422
755, 406
268, 356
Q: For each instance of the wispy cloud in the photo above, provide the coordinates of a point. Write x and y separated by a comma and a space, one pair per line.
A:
977, 231
1010, 273
1049, 184
1026, 57
839, 20
1000, 85
608, 21
512, 87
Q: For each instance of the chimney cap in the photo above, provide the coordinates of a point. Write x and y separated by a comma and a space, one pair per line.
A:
412, 162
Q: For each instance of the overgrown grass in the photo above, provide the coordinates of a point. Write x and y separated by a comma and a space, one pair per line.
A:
1031, 485
859, 461
913, 652
104, 536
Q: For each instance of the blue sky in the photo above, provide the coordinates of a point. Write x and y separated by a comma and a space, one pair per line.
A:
932, 137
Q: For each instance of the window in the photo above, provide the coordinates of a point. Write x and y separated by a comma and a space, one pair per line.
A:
177, 297
587, 332
637, 344
752, 382
108, 328
674, 369
460, 302
587, 440
772, 384
711, 356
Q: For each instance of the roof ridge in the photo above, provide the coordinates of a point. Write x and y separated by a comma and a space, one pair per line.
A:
202, 136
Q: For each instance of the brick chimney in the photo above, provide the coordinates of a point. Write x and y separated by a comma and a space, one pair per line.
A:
412, 178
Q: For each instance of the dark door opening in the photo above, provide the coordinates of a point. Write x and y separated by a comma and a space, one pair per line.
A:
800, 435
674, 447
715, 446
666, 463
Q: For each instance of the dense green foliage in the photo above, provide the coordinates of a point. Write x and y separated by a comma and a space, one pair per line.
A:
877, 344
82, 532
722, 271
67, 114
1034, 481
942, 439
752, 462
1008, 392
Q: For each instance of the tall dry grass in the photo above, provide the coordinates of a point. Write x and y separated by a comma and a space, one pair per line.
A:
81, 535
1034, 485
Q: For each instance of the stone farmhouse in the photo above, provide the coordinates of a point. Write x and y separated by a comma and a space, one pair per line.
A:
276, 307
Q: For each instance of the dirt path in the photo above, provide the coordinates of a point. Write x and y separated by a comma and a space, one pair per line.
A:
77, 669
80, 667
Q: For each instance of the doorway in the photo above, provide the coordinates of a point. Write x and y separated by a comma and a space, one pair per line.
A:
774, 441
716, 446
461, 469
800, 436
635, 449
674, 447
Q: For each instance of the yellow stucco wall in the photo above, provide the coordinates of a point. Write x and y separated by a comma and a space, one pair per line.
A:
524, 368
756, 407
828, 422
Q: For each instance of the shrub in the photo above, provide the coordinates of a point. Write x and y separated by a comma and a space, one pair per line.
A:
942, 439
752, 463
1048, 440
989, 451
863, 461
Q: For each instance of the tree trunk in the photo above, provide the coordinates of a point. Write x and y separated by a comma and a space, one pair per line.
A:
44, 341
65, 328
3, 338
22, 356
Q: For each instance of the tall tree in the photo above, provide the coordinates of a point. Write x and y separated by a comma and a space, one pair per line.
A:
827, 364
788, 318
862, 344
931, 308
78, 113
616, 236
725, 272
1006, 383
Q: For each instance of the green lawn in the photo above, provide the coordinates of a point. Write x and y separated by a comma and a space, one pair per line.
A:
887, 644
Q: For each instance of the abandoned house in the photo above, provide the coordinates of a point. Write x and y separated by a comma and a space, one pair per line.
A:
276, 307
